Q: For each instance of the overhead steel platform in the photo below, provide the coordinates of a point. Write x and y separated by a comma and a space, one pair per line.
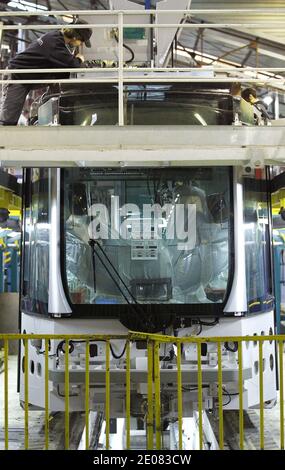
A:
131, 146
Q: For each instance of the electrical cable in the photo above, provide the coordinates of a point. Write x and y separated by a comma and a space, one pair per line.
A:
203, 323
71, 345
49, 355
92, 244
200, 330
116, 37
132, 53
141, 312
63, 5
229, 395
17, 38
193, 389
231, 349
63, 395
115, 270
101, 4
116, 356
128, 48
60, 347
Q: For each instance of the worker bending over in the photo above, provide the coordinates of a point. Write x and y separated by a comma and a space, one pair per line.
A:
51, 51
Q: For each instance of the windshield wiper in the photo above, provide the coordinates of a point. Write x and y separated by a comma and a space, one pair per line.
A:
135, 306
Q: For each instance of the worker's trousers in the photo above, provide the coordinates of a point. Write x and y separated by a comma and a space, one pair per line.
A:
13, 99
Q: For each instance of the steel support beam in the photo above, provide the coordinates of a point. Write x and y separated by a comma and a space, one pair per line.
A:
141, 145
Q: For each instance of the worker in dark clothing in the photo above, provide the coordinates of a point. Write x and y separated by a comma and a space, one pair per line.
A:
6, 222
50, 51
260, 112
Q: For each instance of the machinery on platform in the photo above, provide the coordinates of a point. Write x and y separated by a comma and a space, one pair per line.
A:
174, 102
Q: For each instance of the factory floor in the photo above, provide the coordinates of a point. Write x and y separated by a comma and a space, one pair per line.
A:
251, 429
56, 440
36, 420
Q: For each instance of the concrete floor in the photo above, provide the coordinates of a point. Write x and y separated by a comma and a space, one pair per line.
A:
9, 317
36, 420
251, 429
36, 423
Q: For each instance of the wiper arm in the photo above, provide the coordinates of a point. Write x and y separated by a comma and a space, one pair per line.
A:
136, 307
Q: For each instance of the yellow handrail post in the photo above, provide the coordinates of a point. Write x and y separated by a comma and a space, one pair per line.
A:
200, 395
179, 396
261, 394
66, 393
128, 397
157, 395
107, 394
26, 369
6, 396
46, 396
281, 344
220, 395
240, 383
149, 419
87, 385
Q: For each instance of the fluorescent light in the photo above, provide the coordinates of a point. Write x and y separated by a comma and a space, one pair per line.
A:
268, 100
200, 119
26, 6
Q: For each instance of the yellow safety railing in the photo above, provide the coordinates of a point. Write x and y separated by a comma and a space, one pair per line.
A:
152, 378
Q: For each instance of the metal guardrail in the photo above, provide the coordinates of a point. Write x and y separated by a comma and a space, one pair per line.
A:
153, 383
190, 13
122, 75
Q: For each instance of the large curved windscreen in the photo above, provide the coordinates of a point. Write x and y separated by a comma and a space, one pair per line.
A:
144, 104
147, 236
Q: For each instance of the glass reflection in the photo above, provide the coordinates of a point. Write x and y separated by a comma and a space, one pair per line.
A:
160, 236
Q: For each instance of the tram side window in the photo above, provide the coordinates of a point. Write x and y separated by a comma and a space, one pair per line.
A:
257, 243
36, 242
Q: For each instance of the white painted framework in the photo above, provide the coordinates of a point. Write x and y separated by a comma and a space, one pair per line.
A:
141, 145
122, 74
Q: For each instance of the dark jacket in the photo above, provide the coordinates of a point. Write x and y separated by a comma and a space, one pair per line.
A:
47, 52
11, 224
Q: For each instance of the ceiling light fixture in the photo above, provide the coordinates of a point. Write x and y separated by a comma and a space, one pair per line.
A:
26, 6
